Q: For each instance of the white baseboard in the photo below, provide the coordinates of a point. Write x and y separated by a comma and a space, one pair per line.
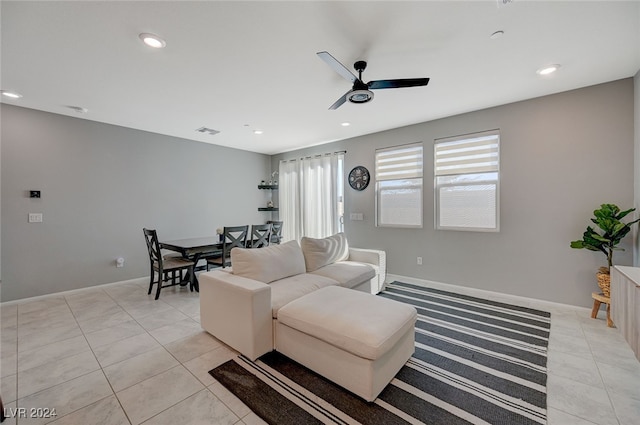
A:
482, 293
75, 291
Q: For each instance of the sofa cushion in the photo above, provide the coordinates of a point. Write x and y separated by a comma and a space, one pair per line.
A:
320, 252
286, 290
363, 324
348, 273
269, 263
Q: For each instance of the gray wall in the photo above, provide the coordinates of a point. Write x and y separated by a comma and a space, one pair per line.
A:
561, 157
636, 166
101, 184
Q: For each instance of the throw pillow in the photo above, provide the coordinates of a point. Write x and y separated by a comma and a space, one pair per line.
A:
321, 252
268, 264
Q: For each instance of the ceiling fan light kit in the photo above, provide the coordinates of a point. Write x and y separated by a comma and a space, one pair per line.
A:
360, 96
361, 92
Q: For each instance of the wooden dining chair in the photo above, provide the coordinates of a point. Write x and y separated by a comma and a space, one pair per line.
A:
276, 231
260, 235
232, 237
168, 269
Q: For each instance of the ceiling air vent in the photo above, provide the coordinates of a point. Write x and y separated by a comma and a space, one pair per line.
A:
210, 131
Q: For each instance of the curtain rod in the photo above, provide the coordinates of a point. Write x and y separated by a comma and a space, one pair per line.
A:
314, 156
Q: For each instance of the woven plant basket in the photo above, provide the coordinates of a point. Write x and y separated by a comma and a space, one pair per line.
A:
604, 282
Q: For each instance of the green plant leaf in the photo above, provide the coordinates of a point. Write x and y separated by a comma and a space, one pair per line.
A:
607, 219
600, 238
623, 214
577, 244
618, 227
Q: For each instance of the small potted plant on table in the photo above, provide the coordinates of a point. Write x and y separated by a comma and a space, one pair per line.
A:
608, 219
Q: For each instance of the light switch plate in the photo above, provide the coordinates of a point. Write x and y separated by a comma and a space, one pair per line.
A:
35, 217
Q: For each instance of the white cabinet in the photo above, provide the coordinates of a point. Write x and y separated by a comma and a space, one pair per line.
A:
625, 304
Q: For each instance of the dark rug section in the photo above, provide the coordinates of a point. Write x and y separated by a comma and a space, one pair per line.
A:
476, 360
260, 397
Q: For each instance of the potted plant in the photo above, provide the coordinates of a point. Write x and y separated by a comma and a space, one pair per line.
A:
608, 219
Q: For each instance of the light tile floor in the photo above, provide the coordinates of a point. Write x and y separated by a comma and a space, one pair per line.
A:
113, 355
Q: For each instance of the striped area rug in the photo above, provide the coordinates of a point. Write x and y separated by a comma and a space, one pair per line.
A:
476, 362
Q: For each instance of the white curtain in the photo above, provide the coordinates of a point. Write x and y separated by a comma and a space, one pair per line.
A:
310, 194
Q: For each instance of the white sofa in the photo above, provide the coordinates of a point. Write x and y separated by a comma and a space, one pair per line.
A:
240, 306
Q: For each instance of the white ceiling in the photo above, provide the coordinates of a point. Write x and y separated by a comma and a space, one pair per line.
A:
240, 66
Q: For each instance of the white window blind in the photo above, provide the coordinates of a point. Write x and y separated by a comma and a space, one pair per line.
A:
467, 170
399, 186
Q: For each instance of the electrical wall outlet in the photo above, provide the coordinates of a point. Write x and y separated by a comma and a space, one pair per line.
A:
419, 261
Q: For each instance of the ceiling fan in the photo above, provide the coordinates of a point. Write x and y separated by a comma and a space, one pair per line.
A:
361, 92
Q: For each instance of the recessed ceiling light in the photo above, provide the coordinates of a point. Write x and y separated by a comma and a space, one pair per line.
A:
152, 40
11, 94
496, 35
257, 131
345, 124
549, 69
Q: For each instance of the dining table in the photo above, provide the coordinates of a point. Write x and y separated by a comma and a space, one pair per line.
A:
195, 249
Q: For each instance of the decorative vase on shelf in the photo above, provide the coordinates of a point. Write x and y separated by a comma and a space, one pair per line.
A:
270, 204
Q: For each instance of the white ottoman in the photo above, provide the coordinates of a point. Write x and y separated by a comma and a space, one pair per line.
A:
357, 340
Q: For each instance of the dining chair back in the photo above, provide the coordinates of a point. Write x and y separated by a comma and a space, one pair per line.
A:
167, 269
232, 237
260, 235
276, 231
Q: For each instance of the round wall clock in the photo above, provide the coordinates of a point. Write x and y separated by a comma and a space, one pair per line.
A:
359, 178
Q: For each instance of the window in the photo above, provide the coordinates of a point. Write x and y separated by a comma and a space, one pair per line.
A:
399, 186
467, 172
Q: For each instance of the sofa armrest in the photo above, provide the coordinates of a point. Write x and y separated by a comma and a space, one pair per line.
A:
372, 256
237, 311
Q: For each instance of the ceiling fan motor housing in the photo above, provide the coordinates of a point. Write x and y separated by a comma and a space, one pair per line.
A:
360, 92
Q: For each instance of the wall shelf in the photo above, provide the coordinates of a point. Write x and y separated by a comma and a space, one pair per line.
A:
268, 186
268, 209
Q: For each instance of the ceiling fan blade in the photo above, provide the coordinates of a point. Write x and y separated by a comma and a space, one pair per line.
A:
340, 101
337, 66
394, 84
